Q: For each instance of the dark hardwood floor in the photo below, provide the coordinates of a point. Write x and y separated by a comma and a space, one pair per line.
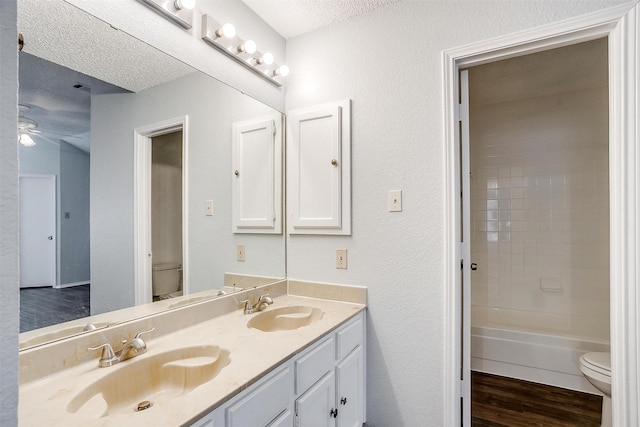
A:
40, 307
507, 402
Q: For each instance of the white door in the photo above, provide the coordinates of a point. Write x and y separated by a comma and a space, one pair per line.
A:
37, 230
465, 247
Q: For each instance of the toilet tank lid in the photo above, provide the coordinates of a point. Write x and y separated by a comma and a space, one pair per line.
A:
599, 359
166, 266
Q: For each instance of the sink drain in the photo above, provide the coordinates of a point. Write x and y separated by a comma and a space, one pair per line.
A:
145, 404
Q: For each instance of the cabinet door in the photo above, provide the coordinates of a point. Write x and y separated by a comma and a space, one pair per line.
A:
264, 403
257, 180
316, 407
350, 389
319, 169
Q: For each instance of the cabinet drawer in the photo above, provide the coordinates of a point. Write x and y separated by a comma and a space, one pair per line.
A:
314, 364
349, 337
264, 403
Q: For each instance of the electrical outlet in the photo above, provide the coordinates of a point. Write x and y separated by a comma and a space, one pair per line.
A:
395, 201
341, 259
208, 210
240, 253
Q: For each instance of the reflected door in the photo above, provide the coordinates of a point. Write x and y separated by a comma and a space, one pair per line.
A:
37, 230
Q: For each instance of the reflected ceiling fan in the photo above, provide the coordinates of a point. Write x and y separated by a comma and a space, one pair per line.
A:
26, 127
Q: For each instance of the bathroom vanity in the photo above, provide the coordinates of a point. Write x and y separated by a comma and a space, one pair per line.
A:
300, 359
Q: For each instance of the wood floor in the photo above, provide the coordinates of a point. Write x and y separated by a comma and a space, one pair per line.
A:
40, 307
506, 402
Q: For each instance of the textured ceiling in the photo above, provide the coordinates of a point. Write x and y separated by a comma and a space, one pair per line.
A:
88, 51
294, 17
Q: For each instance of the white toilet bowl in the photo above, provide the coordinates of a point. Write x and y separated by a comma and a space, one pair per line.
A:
596, 367
166, 279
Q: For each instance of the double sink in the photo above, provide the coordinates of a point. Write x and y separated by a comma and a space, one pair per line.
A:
157, 378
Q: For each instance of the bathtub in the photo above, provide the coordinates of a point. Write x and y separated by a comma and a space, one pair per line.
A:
503, 342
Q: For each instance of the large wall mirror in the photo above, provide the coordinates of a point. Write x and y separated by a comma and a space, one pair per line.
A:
88, 94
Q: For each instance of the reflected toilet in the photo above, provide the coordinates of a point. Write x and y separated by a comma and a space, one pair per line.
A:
596, 367
166, 280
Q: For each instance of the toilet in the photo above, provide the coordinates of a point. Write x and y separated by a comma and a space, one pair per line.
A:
596, 367
166, 280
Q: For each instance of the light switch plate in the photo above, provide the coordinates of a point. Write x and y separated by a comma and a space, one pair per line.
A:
240, 253
395, 201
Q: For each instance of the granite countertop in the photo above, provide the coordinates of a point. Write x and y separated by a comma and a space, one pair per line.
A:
253, 353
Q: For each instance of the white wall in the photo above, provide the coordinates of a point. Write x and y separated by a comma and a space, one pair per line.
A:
74, 231
9, 265
389, 63
211, 108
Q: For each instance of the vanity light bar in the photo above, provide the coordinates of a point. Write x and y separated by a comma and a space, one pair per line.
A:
261, 63
178, 11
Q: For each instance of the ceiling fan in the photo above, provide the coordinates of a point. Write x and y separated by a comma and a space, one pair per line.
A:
26, 127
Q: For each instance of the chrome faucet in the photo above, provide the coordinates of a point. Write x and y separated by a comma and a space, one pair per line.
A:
129, 349
260, 305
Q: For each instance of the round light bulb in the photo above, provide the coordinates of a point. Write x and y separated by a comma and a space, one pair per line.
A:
185, 4
228, 30
267, 58
248, 47
283, 71
26, 140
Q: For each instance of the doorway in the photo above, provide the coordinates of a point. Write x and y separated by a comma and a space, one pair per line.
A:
538, 223
164, 139
620, 25
166, 208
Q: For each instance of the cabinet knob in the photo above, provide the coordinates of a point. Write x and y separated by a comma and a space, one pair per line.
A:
334, 162
236, 173
343, 401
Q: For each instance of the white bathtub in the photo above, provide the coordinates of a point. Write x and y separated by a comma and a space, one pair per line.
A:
503, 342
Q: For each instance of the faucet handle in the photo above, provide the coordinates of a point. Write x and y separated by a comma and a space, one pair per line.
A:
139, 334
107, 353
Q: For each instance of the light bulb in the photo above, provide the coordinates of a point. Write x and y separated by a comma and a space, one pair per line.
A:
248, 47
267, 58
184, 4
26, 140
228, 30
282, 70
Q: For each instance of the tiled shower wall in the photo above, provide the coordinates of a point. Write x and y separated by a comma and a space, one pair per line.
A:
540, 207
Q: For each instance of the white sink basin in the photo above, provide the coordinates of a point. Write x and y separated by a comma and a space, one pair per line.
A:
154, 378
285, 318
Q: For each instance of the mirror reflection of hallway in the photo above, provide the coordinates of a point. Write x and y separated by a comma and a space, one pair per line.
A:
166, 214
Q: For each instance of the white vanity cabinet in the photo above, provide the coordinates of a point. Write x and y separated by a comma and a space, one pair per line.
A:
336, 398
321, 386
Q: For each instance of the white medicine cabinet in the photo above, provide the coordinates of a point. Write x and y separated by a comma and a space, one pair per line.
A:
319, 169
257, 176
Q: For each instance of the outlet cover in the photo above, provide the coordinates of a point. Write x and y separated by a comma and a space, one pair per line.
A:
208, 210
341, 259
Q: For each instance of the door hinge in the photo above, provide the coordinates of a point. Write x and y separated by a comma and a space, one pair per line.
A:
273, 123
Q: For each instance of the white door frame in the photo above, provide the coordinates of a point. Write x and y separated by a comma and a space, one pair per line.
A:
142, 205
621, 25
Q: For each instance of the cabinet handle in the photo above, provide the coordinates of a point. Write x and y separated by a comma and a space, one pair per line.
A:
333, 413
343, 401
474, 266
